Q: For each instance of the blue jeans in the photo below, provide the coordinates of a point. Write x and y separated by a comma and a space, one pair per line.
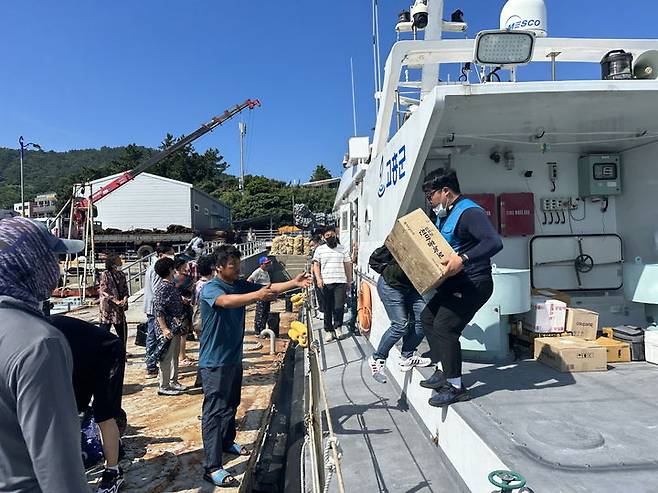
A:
403, 308
151, 343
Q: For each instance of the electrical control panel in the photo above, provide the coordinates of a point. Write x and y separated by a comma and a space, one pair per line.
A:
549, 204
599, 175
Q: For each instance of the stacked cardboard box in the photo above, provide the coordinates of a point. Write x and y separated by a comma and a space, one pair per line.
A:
546, 315
582, 323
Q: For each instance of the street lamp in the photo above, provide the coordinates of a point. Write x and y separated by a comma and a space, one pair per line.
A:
23, 147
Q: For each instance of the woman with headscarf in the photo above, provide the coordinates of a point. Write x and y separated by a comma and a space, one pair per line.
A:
114, 298
39, 426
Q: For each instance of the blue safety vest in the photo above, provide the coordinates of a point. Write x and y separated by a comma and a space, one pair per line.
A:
449, 227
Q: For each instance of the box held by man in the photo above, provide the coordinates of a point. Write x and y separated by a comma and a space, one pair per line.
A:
571, 354
419, 249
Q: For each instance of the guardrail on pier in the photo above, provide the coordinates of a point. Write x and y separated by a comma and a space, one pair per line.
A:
136, 270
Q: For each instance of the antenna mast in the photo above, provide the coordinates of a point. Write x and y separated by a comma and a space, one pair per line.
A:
353, 96
375, 53
243, 131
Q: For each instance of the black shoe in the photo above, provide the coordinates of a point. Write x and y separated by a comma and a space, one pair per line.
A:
436, 381
111, 481
449, 395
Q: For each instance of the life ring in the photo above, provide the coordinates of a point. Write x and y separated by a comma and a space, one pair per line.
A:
365, 307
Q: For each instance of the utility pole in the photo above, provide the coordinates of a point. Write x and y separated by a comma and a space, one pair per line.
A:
243, 131
24, 146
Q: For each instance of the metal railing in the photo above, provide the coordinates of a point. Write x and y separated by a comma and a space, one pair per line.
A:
136, 270
324, 454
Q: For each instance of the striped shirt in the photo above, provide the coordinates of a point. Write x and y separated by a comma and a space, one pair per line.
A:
332, 263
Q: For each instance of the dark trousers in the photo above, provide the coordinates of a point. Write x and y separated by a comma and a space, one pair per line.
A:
333, 300
446, 316
121, 330
151, 345
221, 398
262, 312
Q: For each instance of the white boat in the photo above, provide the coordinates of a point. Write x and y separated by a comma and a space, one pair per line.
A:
584, 150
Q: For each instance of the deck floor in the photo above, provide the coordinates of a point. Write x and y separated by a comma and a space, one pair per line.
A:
384, 448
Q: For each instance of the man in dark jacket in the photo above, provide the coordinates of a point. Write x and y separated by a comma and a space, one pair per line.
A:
39, 425
403, 306
465, 225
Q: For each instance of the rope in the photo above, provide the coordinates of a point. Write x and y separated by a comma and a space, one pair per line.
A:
329, 465
302, 462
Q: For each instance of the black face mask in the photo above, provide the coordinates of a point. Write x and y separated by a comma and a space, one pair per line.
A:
332, 242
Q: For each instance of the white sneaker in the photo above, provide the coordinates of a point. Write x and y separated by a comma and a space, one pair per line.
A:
178, 386
169, 391
377, 367
329, 336
320, 316
406, 364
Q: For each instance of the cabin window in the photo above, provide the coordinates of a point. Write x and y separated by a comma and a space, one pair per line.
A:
343, 221
196, 207
206, 211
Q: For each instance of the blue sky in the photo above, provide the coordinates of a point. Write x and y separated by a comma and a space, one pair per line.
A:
87, 74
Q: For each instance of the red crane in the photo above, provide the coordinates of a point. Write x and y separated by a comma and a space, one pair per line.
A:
82, 205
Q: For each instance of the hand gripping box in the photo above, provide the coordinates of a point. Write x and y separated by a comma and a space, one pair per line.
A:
419, 248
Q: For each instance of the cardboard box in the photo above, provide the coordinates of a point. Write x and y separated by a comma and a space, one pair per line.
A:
571, 354
618, 352
552, 293
582, 323
419, 248
529, 336
546, 315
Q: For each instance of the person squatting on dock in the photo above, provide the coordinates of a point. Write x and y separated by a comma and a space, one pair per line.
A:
223, 301
464, 225
151, 281
261, 276
114, 298
332, 266
99, 361
39, 425
403, 306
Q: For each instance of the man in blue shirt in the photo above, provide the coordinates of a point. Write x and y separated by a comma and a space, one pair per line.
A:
223, 301
468, 286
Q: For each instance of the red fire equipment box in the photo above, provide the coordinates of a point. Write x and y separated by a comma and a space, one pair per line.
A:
517, 214
488, 202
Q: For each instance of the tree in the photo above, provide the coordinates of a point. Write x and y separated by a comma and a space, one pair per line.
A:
320, 173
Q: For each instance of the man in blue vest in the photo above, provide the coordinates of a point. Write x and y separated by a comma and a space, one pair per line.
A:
465, 225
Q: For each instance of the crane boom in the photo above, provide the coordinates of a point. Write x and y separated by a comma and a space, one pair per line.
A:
155, 159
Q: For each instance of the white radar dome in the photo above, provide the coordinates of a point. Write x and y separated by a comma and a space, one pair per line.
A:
525, 15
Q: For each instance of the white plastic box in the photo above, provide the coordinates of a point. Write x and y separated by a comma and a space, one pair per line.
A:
651, 346
546, 315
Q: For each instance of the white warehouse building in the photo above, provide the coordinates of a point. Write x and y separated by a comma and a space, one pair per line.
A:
155, 202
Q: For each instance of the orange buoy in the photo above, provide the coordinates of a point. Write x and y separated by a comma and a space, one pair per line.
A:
364, 311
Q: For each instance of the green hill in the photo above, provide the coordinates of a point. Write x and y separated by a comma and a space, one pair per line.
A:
47, 171
264, 199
